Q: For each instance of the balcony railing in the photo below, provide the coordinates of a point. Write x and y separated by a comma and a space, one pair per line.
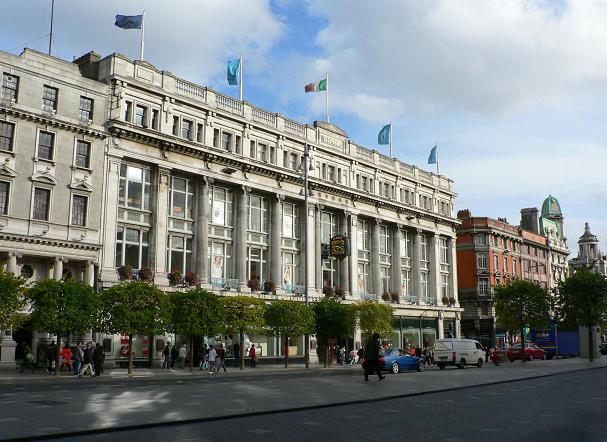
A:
191, 90
368, 296
292, 289
224, 283
295, 127
264, 117
364, 153
230, 104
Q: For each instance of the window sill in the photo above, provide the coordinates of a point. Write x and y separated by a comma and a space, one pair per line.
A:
8, 152
87, 169
44, 160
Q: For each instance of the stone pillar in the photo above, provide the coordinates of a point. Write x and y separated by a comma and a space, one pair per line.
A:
110, 216
89, 273
7, 345
12, 266
159, 252
343, 264
396, 258
58, 269
317, 255
242, 225
202, 231
374, 258
276, 243
457, 333
415, 267
310, 248
353, 260
434, 284
441, 325
453, 269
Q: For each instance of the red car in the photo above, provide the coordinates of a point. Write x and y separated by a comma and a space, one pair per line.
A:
531, 352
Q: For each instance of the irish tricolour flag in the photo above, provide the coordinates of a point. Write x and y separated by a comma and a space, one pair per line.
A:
317, 86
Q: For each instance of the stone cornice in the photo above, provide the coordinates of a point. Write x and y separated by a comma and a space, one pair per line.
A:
48, 242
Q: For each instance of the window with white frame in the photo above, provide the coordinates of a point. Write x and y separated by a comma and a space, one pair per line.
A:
134, 189
505, 263
424, 286
182, 198
444, 283
362, 276
128, 110
384, 275
362, 240
423, 258
444, 250
46, 145
41, 204
405, 281
10, 87
481, 261
329, 270
187, 129
175, 130
155, 119
258, 214
220, 254
179, 253
328, 227
483, 286
83, 154
290, 213
132, 247
514, 266
257, 263
7, 134
49, 98
290, 267
385, 245
85, 112
496, 263
480, 239
141, 115
4, 197
200, 133
405, 248
79, 210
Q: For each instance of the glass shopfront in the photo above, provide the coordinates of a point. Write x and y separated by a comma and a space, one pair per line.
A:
410, 332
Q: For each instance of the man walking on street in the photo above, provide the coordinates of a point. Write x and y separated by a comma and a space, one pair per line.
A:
166, 352
78, 355
87, 360
221, 354
212, 358
183, 352
98, 358
252, 354
372, 357
51, 351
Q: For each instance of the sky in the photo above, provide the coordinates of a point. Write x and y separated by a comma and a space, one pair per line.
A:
514, 91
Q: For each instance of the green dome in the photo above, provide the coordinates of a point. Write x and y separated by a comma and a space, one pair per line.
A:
551, 207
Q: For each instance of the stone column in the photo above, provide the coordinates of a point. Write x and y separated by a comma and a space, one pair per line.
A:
317, 255
89, 273
415, 267
434, 284
159, 252
58, 268
374, 258
7, 345
202, 231
343, 264
11, 266
396, 258
110, 216
353, 260
453, 269
457, 333
242, 225
276, 243
310, 248
441, 325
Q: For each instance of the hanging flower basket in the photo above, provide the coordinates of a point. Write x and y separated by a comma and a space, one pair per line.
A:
175, 278
146, 274
125, 273
191, 279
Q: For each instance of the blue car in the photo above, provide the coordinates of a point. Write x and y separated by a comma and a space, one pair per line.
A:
397, 360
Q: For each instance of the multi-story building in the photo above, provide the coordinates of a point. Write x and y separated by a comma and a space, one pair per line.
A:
589, 257
52, 142
196, 181
490, 252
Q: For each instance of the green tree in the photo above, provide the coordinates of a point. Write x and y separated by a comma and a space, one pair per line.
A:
244, 314
520, 303
374, 317
135, 308
582, 300
63, 308
289, 319
333, 320
197, 312
12, 299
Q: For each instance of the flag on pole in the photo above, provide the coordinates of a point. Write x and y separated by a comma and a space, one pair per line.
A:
316, 86
234, 71
432, 158
384, 135
129, 21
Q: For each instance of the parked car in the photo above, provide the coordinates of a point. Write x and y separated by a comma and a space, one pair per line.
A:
397, 360
458, 352
532, 351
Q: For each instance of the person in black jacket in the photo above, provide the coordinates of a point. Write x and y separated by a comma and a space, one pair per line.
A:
372, 358
87, 361
98, 357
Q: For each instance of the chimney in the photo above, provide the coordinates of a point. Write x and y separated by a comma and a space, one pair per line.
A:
463, 214
529, 220
89, 65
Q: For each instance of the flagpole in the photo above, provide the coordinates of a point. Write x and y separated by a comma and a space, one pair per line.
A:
142, 35
241, 77
390, 139
437, 172
327, 95
50, 36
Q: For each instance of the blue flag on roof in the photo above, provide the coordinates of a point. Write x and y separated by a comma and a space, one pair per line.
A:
129, 21
233, 71
432, 157
384, 134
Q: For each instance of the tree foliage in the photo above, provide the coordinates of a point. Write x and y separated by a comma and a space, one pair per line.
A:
244, 314
333, 319
12, 299
374, 317
582, 300
135, 308
289, 319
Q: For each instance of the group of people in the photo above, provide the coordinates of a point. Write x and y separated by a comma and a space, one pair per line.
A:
212, 357
78, 360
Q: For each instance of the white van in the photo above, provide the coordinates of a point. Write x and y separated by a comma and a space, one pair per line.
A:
458, 352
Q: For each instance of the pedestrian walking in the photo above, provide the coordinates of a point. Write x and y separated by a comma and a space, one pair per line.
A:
98, 359
66, 358
166, 352
78, 355
342, 355
183, 352
360, 353
174, 354
252, 355
236, 351
87, 361
353, 357
221, 354
212, 358
372, 358
205, 363
51, 352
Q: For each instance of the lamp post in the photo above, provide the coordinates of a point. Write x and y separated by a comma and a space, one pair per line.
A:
306, 244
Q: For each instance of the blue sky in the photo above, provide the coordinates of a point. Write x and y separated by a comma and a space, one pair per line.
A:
513, 90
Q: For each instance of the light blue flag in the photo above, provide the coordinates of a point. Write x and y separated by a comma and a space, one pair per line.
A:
129, 21
432, 157
384, 134
234, 71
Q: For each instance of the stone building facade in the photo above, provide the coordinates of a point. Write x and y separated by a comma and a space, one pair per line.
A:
52, 142
196, 181
589, 256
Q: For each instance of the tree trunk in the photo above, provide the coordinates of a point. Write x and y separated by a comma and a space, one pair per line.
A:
241, 349
57, 354
130, 370
590, 346
523, 353
326, 351
286, 350
191, 353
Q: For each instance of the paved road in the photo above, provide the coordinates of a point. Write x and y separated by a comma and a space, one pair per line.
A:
566, 407
54, 406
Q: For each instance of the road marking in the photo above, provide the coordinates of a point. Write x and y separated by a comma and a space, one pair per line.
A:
600, 398
259, 431
9, 419
474, 397
312, 423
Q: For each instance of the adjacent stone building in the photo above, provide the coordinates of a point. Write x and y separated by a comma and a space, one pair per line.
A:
589, 257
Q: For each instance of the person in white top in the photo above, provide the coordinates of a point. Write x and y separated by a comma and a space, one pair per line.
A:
212, 359
183, 352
